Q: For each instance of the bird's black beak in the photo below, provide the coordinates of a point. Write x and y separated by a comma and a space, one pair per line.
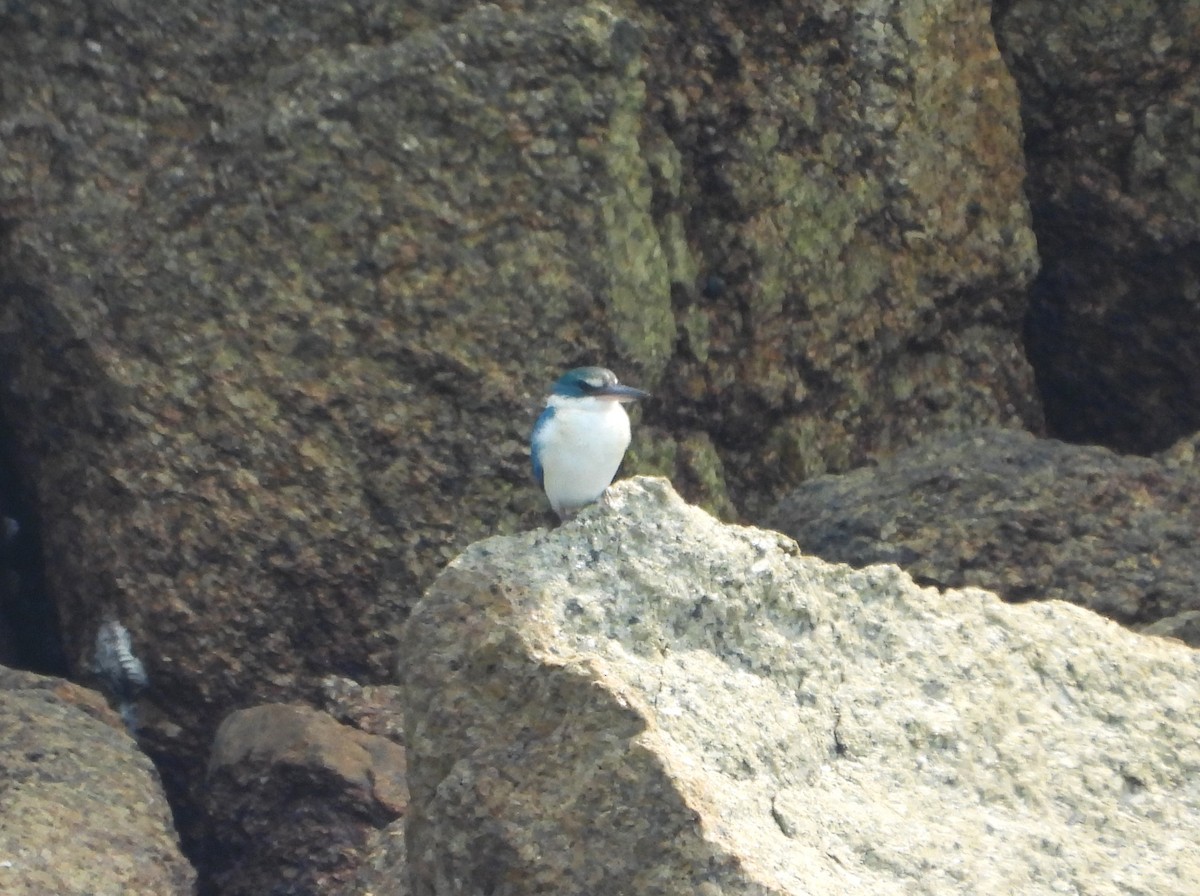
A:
623, 394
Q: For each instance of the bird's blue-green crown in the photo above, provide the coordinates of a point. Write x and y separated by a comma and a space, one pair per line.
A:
583, 381
586, 382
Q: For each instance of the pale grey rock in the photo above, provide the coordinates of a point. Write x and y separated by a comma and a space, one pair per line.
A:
647, 701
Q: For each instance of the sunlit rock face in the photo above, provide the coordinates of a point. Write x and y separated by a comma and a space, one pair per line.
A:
648, 701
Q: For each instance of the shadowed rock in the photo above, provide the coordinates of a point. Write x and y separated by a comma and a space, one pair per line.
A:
1031, 519
1108, 100
294, 798
646, 701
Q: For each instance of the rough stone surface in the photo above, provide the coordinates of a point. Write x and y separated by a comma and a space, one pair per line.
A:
384, 869
81, 809
1183, 454
294, 798
1109, 94
280, 289
855, 241
270, 345
1183, 626
646, 701
374, 709
1028, 518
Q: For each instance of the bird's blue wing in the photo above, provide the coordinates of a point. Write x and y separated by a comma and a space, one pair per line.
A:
535, 448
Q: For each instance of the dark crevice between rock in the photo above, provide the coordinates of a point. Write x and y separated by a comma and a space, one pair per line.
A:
180, 776
30, 637
1117, 378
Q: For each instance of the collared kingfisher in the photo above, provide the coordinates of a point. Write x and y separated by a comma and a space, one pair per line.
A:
580, 438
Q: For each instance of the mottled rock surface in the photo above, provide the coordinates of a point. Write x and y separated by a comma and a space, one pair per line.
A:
854, 239
294, 798
374, 709
81, 809
646, 701
280, 289
384, 869
1028, 518
1109, 94
1183, 454
271, 346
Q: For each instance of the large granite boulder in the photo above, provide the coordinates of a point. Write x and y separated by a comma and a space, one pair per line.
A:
82, 812
1031, 519
647, 701
839, 187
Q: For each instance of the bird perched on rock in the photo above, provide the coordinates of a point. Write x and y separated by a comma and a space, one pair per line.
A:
580, 438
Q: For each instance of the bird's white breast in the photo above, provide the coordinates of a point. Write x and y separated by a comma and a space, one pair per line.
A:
581, 449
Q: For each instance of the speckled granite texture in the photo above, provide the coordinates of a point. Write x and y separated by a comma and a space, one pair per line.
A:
646, 701
82, 812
